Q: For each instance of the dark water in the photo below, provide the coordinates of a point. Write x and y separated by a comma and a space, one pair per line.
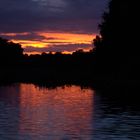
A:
28, 112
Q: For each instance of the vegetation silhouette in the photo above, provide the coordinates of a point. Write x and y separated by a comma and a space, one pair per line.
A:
117, 45
16, 66
114, 59
10, 53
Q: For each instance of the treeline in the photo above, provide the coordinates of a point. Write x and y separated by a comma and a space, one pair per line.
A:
47, 66
116, 54
11, 54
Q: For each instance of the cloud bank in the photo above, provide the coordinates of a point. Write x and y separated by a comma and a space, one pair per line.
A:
24, 21
51, 15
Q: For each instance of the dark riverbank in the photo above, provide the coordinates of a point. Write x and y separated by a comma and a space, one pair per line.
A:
57, 76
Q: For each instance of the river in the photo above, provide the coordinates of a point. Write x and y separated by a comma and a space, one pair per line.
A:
69, 112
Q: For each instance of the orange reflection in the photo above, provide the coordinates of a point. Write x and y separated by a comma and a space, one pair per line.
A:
57, 112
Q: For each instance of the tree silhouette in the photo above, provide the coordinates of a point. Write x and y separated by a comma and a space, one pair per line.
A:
117, 46
10, 52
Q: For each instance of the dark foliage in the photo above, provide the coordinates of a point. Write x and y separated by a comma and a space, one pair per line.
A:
117, 47
16, 66
114, 60
10, 53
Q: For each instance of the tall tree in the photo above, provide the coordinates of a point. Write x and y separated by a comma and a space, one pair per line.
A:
117, 45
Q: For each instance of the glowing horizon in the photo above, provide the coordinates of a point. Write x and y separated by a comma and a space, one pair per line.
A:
52, 42
46, 25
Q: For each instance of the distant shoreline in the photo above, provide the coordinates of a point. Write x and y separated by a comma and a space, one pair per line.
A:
57, 77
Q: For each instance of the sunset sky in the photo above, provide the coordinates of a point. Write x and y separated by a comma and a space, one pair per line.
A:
51, 25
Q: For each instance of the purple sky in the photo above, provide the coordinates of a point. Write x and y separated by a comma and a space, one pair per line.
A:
59, 16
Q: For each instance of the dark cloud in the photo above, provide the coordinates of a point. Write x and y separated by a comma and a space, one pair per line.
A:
28, 36
50, 15
58, 48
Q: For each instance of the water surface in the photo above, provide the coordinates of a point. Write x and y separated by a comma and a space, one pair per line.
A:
29, 112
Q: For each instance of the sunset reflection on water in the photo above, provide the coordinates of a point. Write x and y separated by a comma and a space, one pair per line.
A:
30, 112
63, 112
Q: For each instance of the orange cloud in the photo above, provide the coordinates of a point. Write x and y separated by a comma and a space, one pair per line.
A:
56, 39
26, 43
13, 34
69, 37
